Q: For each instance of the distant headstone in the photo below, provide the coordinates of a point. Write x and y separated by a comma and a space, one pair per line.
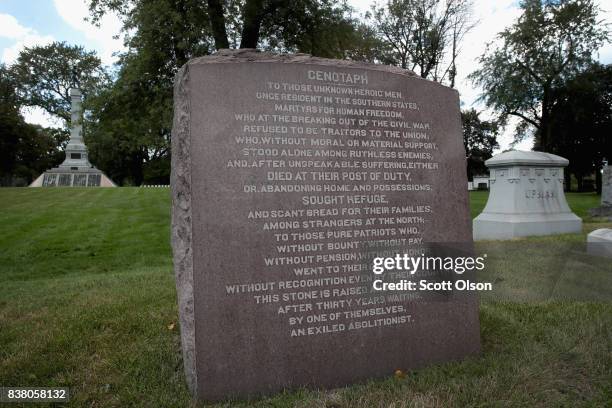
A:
605, 210
287, 173
481, 182
599, 242
526, 198
76, 170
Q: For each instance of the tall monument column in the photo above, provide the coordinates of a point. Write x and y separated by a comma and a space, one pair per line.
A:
76, 170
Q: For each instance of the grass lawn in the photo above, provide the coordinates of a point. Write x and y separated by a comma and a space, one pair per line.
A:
87, 300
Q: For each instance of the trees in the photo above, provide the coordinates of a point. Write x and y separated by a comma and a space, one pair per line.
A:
25, 150
319, 27
130, 122
423, 35
128, 130
550, 43
45, 74
42, 77
581, 121
479, 140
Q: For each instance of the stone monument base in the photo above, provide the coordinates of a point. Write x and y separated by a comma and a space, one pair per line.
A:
599, 242
508, 226
603, 211
73, 177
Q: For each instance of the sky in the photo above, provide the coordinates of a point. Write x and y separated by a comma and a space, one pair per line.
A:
39, 22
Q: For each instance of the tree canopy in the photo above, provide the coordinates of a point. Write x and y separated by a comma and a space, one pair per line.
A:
25, 150
552, 41
130, 122
535, 71
319, 27
581, 121
45, 74
479, 140
423, 35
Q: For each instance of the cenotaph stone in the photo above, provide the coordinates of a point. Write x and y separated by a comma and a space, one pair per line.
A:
526, 198
76, 170
287, 172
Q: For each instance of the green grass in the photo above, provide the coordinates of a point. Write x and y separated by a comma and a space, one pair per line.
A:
87, 300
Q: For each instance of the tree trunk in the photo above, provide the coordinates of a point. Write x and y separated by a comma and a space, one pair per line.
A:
568, 180
453, 69
579, 182
136, 168
217, 23
251, 23
544, 130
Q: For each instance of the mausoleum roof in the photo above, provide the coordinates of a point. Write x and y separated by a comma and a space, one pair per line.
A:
522, 158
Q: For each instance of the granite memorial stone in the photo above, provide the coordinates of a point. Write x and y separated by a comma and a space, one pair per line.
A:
526, 198
287, 172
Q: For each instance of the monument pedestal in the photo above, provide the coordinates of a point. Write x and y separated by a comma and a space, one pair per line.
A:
508, 226
79, 177
526, 198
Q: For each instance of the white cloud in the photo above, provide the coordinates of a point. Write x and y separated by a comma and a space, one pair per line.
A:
74, 13
10, 27
361, 5
39, 116
22, 37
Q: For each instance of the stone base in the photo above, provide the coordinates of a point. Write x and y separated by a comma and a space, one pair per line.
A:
67, 177
603, 211
599, 242
508, 226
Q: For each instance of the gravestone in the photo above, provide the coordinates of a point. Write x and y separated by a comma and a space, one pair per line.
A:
481, 182
599, 242
288, 172
526, 198
605, 210
76, 170
606, 186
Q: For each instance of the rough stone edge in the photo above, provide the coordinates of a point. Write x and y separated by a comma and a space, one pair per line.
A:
225, 56
180, 180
